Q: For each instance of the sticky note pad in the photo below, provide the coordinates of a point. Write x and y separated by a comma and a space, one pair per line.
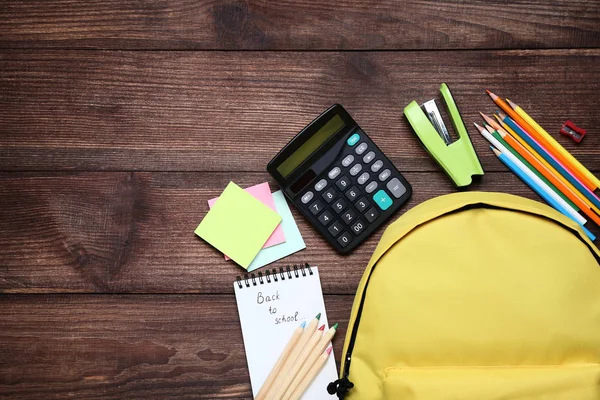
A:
293, 238
262, 192
238, 225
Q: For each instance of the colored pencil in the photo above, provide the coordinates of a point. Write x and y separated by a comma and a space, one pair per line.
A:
536, 164
547, 165
539, 190
310, 376
531, 131
499, 137
280, 361
306, 335
541, 151
570, 212
285, 380
310, 361
571, 161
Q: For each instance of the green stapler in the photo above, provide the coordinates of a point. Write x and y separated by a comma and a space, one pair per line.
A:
458, 159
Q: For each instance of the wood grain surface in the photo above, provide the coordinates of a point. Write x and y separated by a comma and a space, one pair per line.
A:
233, 111
120, 119
299, 25
133, 232
129, 347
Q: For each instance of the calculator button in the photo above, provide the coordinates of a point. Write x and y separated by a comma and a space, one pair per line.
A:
362, 204
320, 185
371, 187
343, 183
347, 160
361, 148
356, 169
339, 206
316, 207
348, 216
369, 157
344, 239
326, 218
385, 174
377, 166
358, 227
383, 200
396, 187
329, 195
334, 173
371, 215
352, 140
308, 196
352, 194
335, 228
363, 178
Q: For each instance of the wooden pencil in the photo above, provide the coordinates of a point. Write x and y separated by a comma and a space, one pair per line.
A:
521, 173
280, 361
535, 163
540, 139
285, 379
310, 360
555, 163
306, 335
546, 164
572, 161
551, 197
501, 137
310, 376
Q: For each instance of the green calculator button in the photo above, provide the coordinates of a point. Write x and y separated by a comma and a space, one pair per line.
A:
352, 140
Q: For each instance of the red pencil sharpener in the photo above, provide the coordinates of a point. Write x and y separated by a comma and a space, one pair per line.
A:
573, 131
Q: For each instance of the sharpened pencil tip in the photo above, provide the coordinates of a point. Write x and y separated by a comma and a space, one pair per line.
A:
479, 128
303, 325
492, 95
335, 326
496, 151
501, 114
322, 327
513, 105
329, 350
318, 316
489, 129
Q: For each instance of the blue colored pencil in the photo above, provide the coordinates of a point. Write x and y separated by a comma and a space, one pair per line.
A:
542, 152
538, 189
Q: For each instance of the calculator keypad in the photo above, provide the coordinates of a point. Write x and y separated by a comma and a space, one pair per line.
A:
377, 166
320, 185
363, 178
355, 169
354, 193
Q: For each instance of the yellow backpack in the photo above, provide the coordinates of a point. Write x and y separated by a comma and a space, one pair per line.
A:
476, 296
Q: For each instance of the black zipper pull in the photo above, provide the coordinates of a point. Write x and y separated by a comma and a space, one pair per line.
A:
340, 387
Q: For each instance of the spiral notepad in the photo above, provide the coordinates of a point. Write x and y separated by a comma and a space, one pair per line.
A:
271, 306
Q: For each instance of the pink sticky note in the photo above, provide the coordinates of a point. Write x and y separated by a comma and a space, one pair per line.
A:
262, 192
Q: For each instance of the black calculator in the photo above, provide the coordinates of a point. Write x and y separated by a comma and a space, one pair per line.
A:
339, 179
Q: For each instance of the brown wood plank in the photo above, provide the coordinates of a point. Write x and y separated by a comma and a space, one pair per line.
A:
133, 232
307, 25
129, 347
233, 111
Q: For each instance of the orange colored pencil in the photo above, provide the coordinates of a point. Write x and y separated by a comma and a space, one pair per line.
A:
550, 176
541, 140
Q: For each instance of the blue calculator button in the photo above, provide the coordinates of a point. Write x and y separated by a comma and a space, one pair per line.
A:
352, 140
382, 199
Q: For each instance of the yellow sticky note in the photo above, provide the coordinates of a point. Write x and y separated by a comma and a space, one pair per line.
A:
238, 225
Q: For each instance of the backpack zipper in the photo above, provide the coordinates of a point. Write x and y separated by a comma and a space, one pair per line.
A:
348, 359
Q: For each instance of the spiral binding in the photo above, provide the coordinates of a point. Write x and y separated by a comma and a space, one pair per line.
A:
287, 272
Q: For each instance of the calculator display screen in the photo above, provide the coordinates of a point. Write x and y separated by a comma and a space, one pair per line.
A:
310, 146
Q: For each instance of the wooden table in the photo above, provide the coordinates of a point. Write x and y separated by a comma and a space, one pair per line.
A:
120, 118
